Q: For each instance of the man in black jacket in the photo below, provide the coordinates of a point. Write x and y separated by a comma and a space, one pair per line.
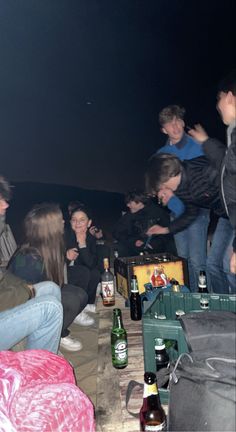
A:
224, 158
130, 230
197, 183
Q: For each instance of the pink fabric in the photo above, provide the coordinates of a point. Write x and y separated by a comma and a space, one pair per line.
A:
38, 394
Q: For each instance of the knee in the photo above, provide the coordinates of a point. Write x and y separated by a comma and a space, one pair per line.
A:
48, 288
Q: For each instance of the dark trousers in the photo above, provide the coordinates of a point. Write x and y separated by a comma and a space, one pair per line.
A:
86, 278
74, 299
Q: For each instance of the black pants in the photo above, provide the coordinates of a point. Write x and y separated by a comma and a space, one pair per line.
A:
74, 299
86, 278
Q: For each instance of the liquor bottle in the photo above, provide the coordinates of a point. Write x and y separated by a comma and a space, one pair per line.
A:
135, 300
161, 356
202, 282
107, 282
152, 415
119, 344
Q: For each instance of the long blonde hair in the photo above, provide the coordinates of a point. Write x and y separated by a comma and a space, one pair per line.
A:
44, 227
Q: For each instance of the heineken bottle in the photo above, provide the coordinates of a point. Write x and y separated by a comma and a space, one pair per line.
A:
119, 346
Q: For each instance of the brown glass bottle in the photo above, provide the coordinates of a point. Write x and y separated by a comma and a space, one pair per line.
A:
135, 300
152, 415
108, 288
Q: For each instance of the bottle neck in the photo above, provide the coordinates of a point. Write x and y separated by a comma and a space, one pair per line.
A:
117, 322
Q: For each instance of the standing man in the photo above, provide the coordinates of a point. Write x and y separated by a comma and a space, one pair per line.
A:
191, 242
224, 159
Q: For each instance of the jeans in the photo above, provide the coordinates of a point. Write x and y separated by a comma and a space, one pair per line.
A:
39, 320
191, 244
220, 279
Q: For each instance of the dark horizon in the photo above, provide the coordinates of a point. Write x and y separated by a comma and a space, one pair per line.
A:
82, 83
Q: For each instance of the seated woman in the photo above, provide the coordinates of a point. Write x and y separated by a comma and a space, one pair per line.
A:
81, 255
130, 230
41, 258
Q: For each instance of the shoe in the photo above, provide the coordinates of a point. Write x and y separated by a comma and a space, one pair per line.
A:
99, 289
70, 344
90, 308
83, 319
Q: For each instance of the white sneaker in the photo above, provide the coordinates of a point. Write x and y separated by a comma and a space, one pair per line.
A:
90, 308
99, 289
70, 344
83, 319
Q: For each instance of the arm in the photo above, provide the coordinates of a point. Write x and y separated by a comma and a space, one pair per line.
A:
28, 267
176, 206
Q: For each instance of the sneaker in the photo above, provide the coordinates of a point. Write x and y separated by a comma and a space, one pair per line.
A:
90, 308
70, 344
99, 289
83, 319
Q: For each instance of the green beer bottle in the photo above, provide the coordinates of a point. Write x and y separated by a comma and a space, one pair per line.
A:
119, 345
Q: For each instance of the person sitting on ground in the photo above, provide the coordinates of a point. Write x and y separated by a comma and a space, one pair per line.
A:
130, 230
41, 258
81, 254
27, 311
103, 249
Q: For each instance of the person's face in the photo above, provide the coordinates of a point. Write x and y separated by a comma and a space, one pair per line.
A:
80, 221
3, 206
174, 129
134, 206
226, 106
171, 184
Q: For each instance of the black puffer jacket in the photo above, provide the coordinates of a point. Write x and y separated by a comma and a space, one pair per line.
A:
224, 160
199, 187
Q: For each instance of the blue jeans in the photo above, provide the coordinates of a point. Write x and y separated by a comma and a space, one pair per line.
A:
191, 244
220, 279
39, 320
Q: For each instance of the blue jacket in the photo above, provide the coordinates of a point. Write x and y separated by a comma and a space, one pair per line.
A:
185, 149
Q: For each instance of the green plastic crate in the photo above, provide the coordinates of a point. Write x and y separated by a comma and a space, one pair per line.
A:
166, 304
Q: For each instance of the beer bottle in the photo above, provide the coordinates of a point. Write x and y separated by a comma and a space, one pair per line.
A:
119, 345
152, 415
161, 356
135, 300
202, 282
107, 282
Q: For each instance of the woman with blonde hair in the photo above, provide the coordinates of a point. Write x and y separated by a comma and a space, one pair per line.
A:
42, 257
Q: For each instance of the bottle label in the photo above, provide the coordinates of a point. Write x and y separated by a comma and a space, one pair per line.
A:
149, 389
160, 427
121, 351
108, 292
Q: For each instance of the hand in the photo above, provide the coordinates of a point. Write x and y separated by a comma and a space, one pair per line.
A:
72, 254
233, 263
139, 243
198, 133
157, 229
96, 232
165, 195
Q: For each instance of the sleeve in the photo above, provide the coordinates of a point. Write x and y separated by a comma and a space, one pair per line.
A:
13, 291
215, 151
176, 206
184, 220
27, 267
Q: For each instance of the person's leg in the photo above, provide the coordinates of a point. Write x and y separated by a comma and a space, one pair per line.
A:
79, 275
226, 266
39, 320
47, 288
95, 277
217, 277
197, 248
74, 300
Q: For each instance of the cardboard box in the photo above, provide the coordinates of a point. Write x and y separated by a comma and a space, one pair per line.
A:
143, 266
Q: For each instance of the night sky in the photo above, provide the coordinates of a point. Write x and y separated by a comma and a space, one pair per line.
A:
82, 82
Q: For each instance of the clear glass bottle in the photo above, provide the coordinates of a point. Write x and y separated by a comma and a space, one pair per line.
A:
107, 285
152, 415
119, 344
135, 300
202, 282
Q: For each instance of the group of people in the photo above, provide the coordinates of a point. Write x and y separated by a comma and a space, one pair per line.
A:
52, 278
56, 269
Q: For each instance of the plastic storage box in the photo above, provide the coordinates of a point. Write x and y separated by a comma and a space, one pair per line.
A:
166, 304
